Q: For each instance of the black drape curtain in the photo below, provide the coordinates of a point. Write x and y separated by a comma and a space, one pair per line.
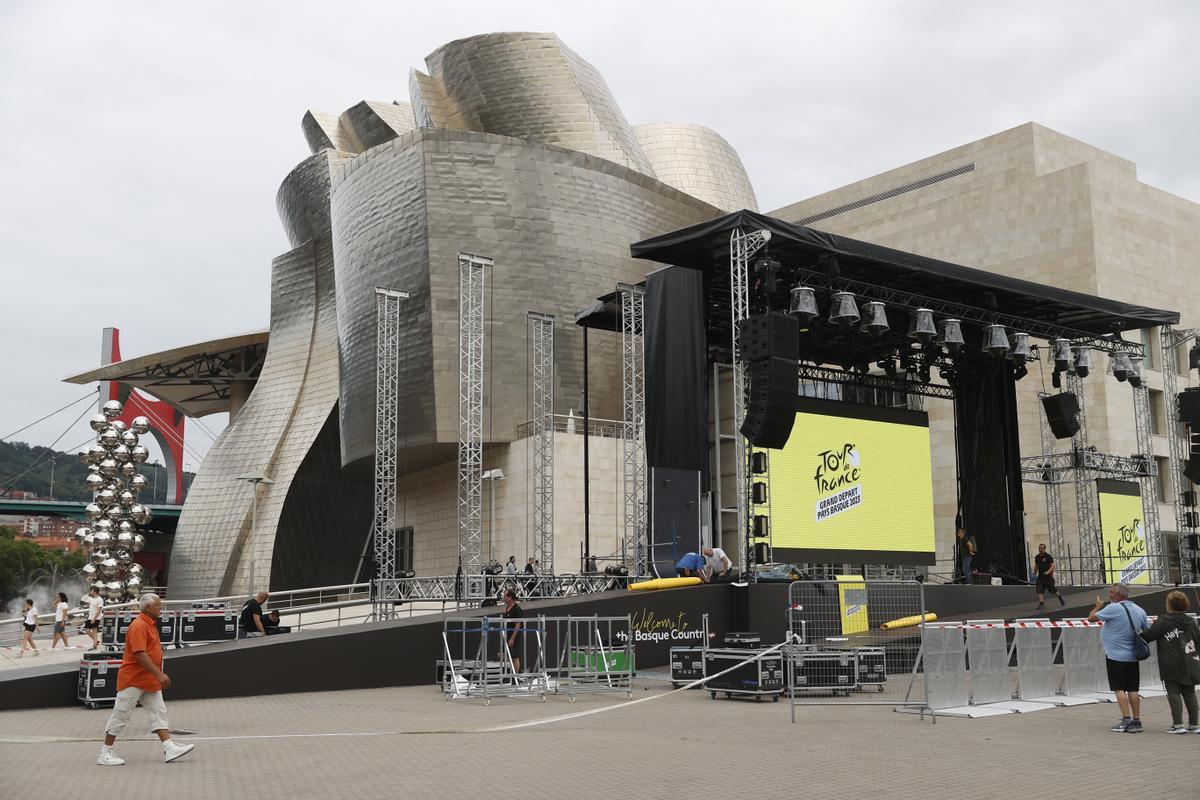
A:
989, 464
676, 383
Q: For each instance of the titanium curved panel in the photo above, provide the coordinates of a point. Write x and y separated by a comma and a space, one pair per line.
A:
273, 433
303, 197
372, 123
531, 86
558, 224
698, 160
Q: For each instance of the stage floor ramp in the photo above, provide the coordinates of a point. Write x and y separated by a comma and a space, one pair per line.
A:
856, 641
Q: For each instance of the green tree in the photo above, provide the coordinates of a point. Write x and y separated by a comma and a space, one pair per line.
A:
20, 558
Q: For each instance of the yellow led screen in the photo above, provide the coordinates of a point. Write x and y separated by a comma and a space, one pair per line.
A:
1122, 532
853, 483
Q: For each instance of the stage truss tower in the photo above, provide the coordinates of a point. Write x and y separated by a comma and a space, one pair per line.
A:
1054, 518
633, 432
1155, 552
1086, 500
472, 276
1172, 340
387, 432
541, 466
743, 245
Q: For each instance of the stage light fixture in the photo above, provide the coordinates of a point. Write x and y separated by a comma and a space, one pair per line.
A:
995, 341
874, 320
1056, 379
946, 373
1020, 370
1120, 366
1135, 371
952, 336
843, 310
888, 365
921, 327
1020, 348
767, 268
923, 372
1060, 351
1083, 361
803, 306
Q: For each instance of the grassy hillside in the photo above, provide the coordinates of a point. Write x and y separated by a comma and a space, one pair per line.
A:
16, 457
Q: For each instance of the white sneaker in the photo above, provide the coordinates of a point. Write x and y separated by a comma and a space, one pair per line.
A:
173, 751
108, 758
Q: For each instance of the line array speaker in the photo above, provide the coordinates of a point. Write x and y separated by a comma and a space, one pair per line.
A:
1062, 412
764, 336
771, 409
1189, 406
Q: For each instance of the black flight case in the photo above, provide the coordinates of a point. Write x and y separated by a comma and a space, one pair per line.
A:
98, 677
206, 625
757, 679
115, 623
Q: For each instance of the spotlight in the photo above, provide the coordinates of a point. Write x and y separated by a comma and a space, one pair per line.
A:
995, 341
1135, 371
921, 327
1056, 379
1060, 351
843, 310
874, 319
946, 373
766, 268
1020, 370
1120, 366
952, 337
888, 365
803, 306
1083, 361
1020, 350
923, 372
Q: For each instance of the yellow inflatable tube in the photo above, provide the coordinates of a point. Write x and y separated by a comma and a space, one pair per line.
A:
662, 583
906, 622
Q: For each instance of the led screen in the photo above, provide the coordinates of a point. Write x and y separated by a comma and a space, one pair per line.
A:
1122, 531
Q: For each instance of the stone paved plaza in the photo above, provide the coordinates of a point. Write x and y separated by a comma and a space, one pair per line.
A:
411, 743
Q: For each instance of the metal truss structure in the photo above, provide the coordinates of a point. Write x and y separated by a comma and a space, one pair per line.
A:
1180, 447
1054, 520
962, 311
474, 588
1064, 468
472, 277
1149, 485
819, 374
1086, 500
633, 438
742, 247
541, 435
387, 429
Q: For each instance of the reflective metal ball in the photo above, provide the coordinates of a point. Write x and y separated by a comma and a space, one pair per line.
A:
102, 525
126, 498
88, 570
120, 453
82, 532
117, 426
87, 540
83, 457
129, 438
139, 513
112, 409
106, 497
134, 583
93, 511
102, 538
108, 467
110, 438
139, 541
125, 536
125, 526
98, 554
135, 568
96, 453
140, 425
94, 482
139, 453
129, 469
114, 513
98, 422
137, 483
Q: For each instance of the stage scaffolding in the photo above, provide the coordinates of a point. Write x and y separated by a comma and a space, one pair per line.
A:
743, 245
1172, 340
633, 433
1148, 483
541, 464
387, 427
472, 275
1054, 520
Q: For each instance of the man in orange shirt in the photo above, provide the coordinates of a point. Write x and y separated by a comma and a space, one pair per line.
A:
141, 679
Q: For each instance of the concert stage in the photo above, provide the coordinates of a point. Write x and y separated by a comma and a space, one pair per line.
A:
402, 652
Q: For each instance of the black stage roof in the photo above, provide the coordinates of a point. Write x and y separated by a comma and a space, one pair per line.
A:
706, 247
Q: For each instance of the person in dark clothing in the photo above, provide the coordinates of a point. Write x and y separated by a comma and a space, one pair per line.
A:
512, 630
1043, 563
1178, 639
251, 620
965, 553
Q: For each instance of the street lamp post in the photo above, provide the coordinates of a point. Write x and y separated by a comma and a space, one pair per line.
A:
254, 479
154, 494
53, 460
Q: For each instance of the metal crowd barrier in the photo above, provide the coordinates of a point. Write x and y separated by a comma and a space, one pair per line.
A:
474, 589
946, 665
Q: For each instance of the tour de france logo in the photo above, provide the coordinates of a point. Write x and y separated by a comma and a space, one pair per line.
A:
839, 481
1131, 547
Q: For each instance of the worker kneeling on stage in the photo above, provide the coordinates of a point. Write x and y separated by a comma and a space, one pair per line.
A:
691, 566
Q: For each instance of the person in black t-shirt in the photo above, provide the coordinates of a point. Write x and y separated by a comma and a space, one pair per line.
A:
1043, 564
251, 620
965, 554
512, 630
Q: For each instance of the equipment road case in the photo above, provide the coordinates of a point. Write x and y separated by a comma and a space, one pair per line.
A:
687, 665
871, 666
98, 677
206, 625
758, 679
827, 670
115, 623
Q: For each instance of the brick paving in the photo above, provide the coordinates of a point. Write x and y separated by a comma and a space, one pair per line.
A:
684, 743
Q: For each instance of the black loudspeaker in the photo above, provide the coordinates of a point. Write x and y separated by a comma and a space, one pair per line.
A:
1191, 520
761, 553
1192, 469
764, 336
758, 462
1062, 412
1188, 498
771, 410
1193, 541
758, 493
1189, 407
762, 526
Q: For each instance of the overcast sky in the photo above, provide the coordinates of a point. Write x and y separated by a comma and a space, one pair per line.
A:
141, 143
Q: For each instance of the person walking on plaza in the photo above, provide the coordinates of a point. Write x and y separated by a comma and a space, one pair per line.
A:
513, 611
1123, 621
28, 626
141, 679
1178, 643
95, 608
965, 547
61, 612
1043, 563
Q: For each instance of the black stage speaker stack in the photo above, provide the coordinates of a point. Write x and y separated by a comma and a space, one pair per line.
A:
1062, 412
771, 345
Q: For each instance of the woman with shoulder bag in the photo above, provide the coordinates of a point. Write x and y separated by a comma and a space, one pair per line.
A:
1178, 639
